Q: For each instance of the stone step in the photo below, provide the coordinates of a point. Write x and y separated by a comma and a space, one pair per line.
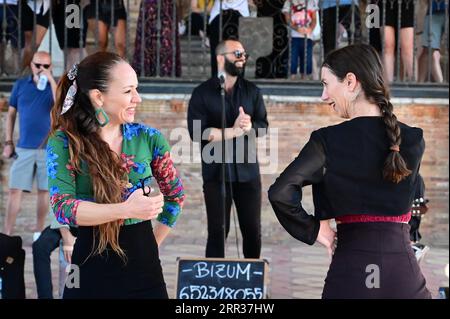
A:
198, 70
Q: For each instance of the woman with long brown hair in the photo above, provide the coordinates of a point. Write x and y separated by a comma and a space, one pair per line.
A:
100, 165
363, 173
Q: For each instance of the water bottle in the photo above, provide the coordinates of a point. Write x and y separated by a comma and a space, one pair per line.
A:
42, 82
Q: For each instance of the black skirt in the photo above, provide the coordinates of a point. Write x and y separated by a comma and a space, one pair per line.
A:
374, 260
108, 276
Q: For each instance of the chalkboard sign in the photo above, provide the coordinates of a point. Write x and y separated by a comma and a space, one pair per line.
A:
218, 278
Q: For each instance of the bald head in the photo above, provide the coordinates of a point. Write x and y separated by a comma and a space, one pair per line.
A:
43, 55
224, 46
40, 61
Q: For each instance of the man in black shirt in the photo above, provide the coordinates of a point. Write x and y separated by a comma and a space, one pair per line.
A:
246, 119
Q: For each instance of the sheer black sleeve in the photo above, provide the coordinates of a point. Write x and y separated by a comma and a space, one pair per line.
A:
285, 194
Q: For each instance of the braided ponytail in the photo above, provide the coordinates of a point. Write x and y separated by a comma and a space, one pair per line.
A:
395, 169
363, 61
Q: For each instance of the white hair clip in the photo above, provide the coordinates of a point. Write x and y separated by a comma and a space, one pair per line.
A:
70, 98
72, 74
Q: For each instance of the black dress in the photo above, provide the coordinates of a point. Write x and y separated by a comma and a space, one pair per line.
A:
107, 276
344, 165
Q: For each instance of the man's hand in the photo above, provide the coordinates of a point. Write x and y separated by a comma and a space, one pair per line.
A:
8, 151
47, 73
243, 121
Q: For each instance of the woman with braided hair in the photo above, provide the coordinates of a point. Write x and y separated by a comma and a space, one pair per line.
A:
363, 173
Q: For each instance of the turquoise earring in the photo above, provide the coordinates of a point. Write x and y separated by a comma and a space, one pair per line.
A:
105, 117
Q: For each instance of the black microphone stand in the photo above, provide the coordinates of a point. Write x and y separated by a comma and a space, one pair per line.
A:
224, 192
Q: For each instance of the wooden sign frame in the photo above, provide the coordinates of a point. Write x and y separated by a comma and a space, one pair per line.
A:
265, 293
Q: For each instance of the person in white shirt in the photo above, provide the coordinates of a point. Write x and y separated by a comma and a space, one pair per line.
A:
301, 19
231, 11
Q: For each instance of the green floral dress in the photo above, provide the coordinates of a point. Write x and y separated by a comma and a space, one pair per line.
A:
145, 155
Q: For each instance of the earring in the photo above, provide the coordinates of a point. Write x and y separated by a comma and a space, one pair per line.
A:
105, 117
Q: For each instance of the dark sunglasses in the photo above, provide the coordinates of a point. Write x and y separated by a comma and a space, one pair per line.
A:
143, 181
238, 54
38, 65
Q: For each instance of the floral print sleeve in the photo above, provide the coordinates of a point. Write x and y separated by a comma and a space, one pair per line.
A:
145, 156
61, 180
168, 180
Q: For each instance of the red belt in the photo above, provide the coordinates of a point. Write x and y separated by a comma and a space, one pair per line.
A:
346, 219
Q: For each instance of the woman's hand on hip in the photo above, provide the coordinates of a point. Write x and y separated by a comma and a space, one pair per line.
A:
327, 236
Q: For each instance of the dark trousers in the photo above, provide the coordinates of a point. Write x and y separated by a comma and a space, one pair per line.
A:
247, 199
374, 261
42, 249
197, 20
345, 18
230, 30
414, 223
298, 54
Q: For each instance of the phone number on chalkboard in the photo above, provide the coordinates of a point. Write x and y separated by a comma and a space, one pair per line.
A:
211, 292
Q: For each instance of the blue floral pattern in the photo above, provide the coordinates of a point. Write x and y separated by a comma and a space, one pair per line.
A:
135, 129
139, 168
54, 190
64, 181
52, 164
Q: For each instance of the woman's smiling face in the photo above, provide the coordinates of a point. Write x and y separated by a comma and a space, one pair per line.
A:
122, 97
334, 92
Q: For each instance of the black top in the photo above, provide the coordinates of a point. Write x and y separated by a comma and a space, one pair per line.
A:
206, 106
344, 164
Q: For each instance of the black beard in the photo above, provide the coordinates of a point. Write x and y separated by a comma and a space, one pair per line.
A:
232, 69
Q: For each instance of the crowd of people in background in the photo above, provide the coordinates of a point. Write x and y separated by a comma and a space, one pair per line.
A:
158, 46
